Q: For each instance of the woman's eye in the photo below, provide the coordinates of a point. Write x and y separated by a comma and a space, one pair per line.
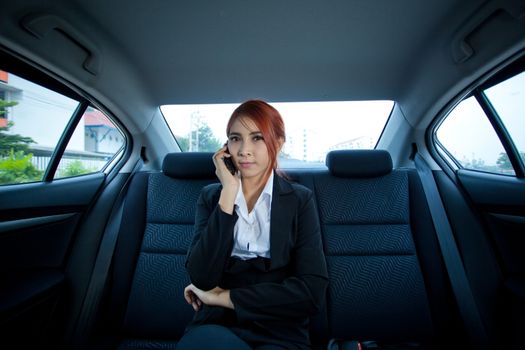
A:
258, 138
233, 138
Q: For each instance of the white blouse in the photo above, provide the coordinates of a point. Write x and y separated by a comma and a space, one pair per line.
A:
251, 233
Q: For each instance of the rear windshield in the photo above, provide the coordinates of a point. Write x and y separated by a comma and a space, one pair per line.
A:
312, 128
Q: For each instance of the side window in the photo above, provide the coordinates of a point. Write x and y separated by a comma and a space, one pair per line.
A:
94, 143
468, 137
508, 99
33, 119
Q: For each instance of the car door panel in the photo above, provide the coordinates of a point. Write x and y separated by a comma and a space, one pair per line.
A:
48, 197
37, 226
501, 201
497, 192
38, 220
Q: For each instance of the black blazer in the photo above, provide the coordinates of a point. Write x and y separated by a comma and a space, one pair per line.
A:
275, 297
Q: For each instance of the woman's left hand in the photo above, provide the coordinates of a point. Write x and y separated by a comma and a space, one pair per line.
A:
214, 297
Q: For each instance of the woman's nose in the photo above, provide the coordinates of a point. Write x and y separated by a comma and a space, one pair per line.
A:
244, 149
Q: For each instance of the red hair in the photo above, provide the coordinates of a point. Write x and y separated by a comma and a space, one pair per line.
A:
269, 122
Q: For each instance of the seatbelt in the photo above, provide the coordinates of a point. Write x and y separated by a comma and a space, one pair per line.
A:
453, 263
101, 268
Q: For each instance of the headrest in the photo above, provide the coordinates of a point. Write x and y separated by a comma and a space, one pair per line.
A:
359, 163
189, 165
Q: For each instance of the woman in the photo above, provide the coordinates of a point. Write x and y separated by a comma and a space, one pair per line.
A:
256, 262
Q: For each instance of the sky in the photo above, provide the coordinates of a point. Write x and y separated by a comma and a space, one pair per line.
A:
468, 133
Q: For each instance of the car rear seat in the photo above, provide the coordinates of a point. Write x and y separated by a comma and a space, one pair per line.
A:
145, 307
387, 278
387, 282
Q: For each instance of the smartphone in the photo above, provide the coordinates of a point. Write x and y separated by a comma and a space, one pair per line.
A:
229, 162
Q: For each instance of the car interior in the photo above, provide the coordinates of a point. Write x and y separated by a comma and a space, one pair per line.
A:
422, 231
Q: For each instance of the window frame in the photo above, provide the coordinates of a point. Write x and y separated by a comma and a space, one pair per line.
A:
501, 131
505, 71
20, 66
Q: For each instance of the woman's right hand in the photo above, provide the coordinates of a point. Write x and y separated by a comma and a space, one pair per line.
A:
230, 183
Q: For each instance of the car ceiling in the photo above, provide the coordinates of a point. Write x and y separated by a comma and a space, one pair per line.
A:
223, 51
169, 52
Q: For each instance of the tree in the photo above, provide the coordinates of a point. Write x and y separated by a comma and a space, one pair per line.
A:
478, 164
184, 143
503, 161
15, 161
76, 168
9, 141
17, 168
4, 105
207, 142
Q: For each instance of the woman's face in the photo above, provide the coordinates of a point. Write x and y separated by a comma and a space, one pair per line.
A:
248, 149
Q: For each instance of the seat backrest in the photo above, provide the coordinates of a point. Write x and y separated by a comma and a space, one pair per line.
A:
377, 290
379, 243
161, 231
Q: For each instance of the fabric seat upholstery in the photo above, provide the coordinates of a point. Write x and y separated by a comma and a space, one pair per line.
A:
149, 274
387, 283
377, 289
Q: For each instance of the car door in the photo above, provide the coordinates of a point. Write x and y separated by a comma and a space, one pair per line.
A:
59, 157
482, 140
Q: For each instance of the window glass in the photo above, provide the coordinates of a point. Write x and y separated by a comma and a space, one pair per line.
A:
469, 137
312, 128
3, 109
93, 144
508, 99
32, 121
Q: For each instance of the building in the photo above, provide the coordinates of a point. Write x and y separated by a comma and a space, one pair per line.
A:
42, 115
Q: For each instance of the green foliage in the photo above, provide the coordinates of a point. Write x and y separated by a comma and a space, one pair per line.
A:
15, 159
207, 142
502, 166
5, 104
17, 168
8, 141
503, 161
14, 142
75, 168
475, 164
184, 143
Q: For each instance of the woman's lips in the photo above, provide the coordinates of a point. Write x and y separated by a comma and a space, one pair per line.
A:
245, 165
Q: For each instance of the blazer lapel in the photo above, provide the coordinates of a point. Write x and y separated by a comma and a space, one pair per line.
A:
281, 222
